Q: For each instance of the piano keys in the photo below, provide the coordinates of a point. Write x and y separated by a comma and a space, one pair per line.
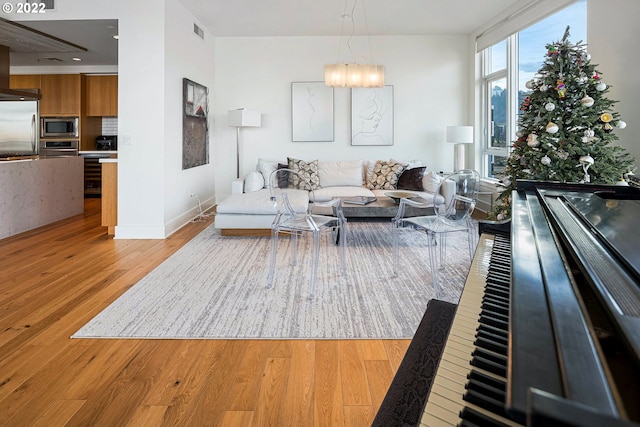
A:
539, 337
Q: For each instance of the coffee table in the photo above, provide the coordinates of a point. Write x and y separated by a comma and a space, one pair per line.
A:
384, 207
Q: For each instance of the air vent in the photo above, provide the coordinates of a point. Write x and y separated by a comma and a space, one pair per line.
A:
50, 59
49, 5
198, 31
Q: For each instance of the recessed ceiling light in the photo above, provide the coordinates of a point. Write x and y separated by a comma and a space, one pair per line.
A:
76, 59
116, 37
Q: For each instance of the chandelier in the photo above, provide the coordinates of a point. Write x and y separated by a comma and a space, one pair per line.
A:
353, 74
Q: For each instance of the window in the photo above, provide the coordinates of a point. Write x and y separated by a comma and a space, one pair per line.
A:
506, 68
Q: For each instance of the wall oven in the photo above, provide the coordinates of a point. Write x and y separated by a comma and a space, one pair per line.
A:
58, 127
58, 147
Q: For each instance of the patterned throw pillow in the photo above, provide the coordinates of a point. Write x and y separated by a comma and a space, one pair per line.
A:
385, 175
308, 170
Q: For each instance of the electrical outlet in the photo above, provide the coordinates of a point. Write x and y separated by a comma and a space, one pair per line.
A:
192, 194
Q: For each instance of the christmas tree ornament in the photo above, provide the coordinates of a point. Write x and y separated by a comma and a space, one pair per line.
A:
586, 162
587, 101
544, 88
553, 50
587, 56
519, 133
532, 140
552, 128
549, 106
529, 84
621, 124
546, 160
607, 127
600, 86
561, 88
606, 117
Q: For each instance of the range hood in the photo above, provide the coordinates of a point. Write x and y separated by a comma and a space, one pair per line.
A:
7, 94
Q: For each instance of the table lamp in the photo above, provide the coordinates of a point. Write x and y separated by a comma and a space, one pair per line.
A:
459, 135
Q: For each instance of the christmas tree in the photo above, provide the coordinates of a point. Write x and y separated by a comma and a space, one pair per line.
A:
565, 127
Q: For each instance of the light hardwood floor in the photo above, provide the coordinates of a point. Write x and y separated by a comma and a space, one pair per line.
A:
57, 278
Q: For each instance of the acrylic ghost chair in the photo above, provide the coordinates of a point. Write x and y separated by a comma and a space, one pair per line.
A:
452, 214
298, 218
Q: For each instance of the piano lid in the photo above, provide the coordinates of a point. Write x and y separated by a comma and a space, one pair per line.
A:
615, 221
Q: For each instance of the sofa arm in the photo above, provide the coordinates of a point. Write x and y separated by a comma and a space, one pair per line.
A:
237, 186
448, 190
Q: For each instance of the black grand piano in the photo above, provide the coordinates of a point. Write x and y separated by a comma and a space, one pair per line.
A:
547, 330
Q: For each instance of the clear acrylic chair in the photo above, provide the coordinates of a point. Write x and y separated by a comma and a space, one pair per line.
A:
296, 220
452, 214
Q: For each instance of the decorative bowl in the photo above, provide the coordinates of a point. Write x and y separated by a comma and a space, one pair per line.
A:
397, 195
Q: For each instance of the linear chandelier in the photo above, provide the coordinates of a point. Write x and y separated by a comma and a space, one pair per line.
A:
353, 74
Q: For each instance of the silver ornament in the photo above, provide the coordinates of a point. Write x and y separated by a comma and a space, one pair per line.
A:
546, 160
549, 106
601, 86
621, 124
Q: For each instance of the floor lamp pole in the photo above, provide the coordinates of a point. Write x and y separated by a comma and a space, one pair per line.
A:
238, 152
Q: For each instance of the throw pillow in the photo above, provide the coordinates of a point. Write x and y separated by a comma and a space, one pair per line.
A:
431, 182
283, 177
385, 175
253, 182
411, 179
265, 167
307, 169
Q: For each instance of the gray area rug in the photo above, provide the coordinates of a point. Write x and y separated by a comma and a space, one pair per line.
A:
215, 287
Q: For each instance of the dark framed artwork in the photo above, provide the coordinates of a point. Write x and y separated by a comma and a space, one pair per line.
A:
311, 112
195, 129
372, 116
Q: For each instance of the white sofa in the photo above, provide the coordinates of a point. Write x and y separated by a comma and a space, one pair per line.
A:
252, 209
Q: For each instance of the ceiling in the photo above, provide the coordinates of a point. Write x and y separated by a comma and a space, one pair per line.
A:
34, 49
275, 18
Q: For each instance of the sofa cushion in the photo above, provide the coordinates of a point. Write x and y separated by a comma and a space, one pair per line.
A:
411, 179
307, 169
259, 203
385, 175
333, 174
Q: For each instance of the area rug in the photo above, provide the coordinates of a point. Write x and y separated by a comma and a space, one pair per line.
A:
215, 287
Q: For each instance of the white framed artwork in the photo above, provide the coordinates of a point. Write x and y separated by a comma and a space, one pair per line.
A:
311, 112
372, 116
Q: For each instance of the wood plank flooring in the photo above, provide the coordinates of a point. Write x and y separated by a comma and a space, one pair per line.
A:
58, 277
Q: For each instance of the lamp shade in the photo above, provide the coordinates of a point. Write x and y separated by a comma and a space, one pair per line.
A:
244, 118
460, 134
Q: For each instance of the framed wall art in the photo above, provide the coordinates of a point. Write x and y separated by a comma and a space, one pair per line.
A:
372, 116
195, 130
311, 112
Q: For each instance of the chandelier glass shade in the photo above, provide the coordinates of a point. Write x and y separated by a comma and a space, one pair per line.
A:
354, 75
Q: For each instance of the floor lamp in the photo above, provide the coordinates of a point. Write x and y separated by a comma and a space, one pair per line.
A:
242, 118
459, 135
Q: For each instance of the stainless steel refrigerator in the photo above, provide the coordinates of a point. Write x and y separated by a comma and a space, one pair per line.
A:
19, 123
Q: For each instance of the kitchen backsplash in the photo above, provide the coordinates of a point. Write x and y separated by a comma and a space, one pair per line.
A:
109, 126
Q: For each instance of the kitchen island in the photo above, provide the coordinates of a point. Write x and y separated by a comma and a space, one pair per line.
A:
37, 192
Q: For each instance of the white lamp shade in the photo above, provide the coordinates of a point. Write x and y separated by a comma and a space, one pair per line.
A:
460, 134
244, 118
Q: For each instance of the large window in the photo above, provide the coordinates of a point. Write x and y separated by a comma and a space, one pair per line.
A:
506, 68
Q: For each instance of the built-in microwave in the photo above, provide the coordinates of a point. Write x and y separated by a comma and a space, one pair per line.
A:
52, 127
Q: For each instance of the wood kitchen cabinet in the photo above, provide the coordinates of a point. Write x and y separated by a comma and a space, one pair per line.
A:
101, 95
24, 81
60, 94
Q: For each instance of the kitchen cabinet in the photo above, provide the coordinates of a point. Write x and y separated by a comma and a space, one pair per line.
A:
60, 95
101, 95
24, 81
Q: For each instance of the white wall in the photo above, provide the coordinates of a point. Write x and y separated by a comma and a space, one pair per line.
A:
613, 44
429, 75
